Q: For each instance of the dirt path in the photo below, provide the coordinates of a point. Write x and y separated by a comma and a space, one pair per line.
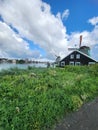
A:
86, 118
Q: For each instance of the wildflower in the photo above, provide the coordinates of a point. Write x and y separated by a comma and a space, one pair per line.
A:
17, 109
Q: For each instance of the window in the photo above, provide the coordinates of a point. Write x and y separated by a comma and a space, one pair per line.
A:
71, 63
77, 63
91, 63
78, 56
71, 56
62, 63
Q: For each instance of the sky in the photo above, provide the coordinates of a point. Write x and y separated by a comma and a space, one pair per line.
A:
44, 29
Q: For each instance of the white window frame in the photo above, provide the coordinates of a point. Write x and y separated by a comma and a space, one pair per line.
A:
91, 63
77, 63
78, 56
72, 56
63, 63
71, 63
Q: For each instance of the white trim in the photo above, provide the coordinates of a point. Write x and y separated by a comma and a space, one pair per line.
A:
77, 63
91, 63
72, 56
77, 56
71, 63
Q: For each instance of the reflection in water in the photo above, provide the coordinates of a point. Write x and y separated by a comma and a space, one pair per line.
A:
21, 66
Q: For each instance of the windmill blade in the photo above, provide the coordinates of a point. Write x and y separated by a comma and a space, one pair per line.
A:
72, 49
56, 55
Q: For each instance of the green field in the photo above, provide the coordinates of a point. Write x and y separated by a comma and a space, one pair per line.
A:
37, 98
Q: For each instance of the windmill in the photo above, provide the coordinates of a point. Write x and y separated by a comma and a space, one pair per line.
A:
58, 58
84, 49
75, 48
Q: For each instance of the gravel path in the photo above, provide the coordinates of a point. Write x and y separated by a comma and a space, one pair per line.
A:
86, 118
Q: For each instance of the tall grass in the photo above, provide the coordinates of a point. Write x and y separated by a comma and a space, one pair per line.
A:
36, 98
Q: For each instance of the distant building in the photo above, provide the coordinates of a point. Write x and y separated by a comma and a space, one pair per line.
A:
14, 61
3, 60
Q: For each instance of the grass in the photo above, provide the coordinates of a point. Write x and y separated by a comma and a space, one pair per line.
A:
37, 98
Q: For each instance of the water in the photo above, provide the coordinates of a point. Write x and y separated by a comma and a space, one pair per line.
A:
21, 66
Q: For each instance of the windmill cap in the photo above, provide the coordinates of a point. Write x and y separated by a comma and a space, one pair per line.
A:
83, 47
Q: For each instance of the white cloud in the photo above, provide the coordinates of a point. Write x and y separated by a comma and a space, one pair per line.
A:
93, 21
65, 14
34, 21
88, 38
11, 45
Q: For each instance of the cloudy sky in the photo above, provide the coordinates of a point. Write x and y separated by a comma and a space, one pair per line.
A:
41, 29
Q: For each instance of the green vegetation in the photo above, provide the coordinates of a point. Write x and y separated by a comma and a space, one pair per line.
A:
36, 98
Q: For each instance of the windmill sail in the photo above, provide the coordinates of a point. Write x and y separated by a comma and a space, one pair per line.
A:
72, 49
80, 41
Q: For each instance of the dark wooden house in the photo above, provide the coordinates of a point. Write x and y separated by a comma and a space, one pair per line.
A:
77, 57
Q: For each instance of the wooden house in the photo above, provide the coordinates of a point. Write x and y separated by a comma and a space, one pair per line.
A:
77, 57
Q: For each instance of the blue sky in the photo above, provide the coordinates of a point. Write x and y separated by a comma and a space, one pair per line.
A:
42, 29
80, 12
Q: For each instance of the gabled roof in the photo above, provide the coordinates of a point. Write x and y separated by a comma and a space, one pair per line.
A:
80, 53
